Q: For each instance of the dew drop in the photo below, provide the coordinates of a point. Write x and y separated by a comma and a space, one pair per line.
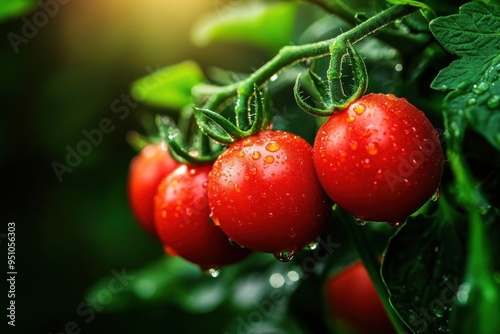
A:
378, 174
164, 213
366, 163
397, 223
255, 155
471, 101
274, 77
480, 88
312, 245
192, 171
292, 233
269, 159
334, 207
435, 196
350, 119
205, 184
247, 143
212, 272
359, 108
369, 131
493, 101
360, 221
241, 154
391, 97
342, 153
263, 195
372, 148
253, 171
273, 146
285, 255
353, 145
438, 310
189, 212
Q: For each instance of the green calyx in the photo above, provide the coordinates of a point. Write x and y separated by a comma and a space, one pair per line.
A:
332, 94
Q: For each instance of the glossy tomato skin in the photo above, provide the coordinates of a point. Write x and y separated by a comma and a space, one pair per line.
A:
182, 220
380, 159
353, 301
146, 171
265, 195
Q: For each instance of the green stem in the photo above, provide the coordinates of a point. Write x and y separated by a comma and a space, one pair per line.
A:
479, 258
291, 55
369, 258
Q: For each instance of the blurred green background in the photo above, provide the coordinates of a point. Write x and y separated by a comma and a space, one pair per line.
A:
63, 80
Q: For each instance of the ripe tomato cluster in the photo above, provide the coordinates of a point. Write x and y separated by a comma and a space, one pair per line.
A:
380, 159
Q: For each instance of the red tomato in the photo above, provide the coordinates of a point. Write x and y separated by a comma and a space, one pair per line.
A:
265, 196
354, 302
145, 174
380, 159
181, 216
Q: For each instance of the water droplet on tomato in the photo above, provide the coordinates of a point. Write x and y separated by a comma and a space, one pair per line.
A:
285, 255
273, 146
360, 221
353, 145
253, 171
350, 119
255, 155
241, 154
192, 171
378, 174
269, 159
359, 108
435, 196
247, 143
391, 97
189, 212
369, 130
397, 223
372, 148
366, 163
292, 233
164, 213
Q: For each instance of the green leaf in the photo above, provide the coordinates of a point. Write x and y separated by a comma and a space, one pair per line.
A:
15, 8
169, 87
264, 25
423, 266
474, 78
